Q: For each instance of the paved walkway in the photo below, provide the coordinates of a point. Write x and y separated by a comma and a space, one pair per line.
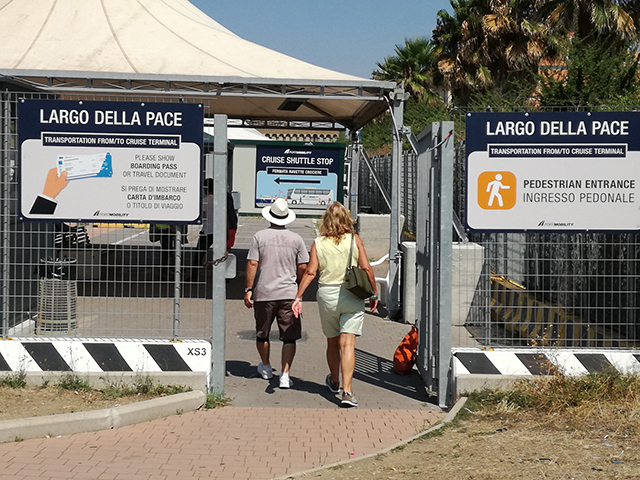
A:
267, 432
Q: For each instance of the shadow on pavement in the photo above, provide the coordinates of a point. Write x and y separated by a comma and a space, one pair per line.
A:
237, 368
378, 372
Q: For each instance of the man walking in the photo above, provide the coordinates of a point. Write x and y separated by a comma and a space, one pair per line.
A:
276, 259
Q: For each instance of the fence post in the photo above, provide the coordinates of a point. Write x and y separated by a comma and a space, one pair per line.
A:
5, 116
446, 156
218, 364
177, 282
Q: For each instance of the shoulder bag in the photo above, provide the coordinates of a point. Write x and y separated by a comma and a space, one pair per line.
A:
356, 279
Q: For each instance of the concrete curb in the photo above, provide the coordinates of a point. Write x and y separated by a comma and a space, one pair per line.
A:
448, 419
95, 420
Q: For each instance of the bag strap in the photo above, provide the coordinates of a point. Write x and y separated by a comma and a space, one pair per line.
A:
353, 239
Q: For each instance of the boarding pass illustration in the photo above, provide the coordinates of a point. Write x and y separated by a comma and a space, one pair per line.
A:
85, 166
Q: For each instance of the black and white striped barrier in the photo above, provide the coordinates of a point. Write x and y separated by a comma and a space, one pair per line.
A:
102, 355
516, 362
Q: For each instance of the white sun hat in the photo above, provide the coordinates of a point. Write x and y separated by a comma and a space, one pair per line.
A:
278, 213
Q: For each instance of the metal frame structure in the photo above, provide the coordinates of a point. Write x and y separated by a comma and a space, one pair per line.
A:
295, 103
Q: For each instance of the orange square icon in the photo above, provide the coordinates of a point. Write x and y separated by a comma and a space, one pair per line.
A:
496, 190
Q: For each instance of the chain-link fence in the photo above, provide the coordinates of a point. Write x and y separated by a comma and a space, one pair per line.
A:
95, 280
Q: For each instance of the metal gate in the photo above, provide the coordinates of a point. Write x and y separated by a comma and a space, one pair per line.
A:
433, 256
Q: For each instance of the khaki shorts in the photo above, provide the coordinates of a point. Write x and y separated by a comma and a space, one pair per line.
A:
340, 311
265, 313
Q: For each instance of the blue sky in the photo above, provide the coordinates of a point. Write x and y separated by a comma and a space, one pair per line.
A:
349, 36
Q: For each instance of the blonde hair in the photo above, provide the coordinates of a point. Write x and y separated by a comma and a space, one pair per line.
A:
336, 222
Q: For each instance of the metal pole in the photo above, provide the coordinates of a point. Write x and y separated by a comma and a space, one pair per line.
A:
219, 293
393, 299
355, 176
6, 132
446, 154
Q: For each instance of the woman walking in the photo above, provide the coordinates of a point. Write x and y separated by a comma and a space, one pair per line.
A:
341, 312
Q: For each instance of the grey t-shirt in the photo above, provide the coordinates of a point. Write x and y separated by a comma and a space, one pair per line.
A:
278, 252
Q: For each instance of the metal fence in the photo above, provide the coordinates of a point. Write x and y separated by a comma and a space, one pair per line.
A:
93, 280
576, 290
371, 200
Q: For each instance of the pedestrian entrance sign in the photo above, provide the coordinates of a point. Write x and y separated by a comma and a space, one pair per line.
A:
561, 171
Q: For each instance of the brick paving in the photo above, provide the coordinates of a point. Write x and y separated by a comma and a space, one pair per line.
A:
267, 432
231, 442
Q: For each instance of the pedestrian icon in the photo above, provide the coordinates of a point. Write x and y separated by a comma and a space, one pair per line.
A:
495, 187
496, 190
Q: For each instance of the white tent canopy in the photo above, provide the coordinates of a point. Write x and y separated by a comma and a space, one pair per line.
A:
169, 47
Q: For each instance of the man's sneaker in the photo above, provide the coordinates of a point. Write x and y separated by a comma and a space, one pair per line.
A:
285, 381
265, 372
348, 400
333, 386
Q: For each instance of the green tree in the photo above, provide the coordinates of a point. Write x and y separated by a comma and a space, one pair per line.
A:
413, 64
418, 114
595, 74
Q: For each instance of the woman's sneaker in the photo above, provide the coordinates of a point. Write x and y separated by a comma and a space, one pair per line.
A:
285, 381
333, 386
265, 372
348, 400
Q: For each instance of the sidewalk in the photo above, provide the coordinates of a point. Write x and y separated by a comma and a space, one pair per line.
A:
267, 432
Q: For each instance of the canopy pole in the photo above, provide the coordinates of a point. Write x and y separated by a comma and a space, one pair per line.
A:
354, 175
393, 297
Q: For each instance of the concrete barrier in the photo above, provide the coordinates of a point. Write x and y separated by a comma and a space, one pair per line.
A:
95, 420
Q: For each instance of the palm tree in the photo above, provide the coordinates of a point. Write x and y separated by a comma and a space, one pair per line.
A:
457, 38
585, 19
514, 41
490, 43
412, 64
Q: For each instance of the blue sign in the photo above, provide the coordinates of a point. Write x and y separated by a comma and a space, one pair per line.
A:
308, 177
110, 161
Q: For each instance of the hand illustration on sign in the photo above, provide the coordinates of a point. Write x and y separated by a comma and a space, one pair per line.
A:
53, 185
